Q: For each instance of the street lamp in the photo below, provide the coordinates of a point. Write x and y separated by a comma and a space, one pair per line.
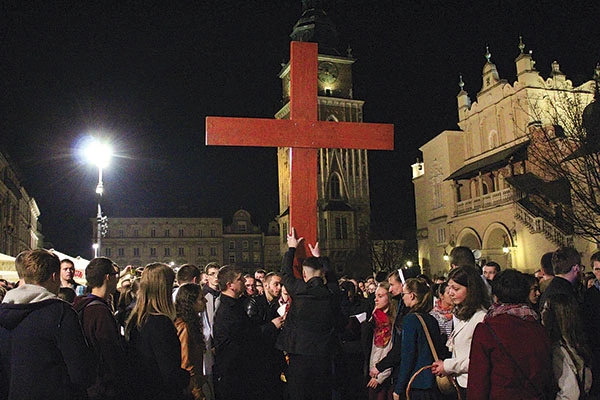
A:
99, 154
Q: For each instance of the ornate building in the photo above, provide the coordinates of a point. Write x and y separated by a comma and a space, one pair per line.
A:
243, 241
19, 213
198, 241
480, 186
139, 241
343, 180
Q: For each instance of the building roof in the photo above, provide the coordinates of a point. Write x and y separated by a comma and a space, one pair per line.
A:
491, 162
557, 191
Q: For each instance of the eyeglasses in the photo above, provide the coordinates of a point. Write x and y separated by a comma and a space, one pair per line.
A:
403, 293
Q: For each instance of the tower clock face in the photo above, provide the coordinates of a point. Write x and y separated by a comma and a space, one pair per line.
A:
328, 72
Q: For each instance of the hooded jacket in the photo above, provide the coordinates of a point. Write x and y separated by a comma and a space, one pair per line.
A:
43, 352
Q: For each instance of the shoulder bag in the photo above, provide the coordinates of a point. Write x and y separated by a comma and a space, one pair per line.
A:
446, 384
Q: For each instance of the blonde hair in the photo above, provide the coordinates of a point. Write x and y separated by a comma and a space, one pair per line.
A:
392, 307
153, 297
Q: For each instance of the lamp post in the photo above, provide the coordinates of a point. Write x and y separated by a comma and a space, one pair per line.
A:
99, 154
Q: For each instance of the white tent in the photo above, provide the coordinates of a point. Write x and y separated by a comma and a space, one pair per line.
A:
7, 268
7, 263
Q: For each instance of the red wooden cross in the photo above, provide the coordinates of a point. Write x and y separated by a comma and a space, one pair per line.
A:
305, 134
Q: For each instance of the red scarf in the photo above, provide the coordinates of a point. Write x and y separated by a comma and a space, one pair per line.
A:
446, 311
383, 328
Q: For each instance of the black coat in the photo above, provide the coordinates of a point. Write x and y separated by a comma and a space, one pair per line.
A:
235, 340
314, 320
43, 351
155, 352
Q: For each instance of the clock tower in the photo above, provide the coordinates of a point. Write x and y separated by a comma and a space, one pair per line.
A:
343, 180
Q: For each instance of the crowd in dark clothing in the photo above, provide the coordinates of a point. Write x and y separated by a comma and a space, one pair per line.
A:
315, 337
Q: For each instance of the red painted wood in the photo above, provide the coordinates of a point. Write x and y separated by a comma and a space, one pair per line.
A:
303, 82
285, 133
305, 135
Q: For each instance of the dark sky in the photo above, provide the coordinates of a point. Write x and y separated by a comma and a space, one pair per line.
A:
146, 74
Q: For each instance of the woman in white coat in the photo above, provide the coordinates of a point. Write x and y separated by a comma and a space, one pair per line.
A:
471, 301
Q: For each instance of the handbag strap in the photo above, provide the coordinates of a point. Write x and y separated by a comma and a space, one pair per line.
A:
431, 346
435, 358
535, 388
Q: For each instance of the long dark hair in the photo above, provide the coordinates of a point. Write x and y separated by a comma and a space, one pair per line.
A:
560, 316
477, 294
186, 297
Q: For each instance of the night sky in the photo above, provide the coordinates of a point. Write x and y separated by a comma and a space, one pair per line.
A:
146, 74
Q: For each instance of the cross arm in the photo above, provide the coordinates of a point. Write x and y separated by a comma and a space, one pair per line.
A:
222, 131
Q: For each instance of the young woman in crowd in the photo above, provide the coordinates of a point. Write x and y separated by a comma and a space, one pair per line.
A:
471, 301
533, 298
416, 351
442, 310
153, 341
571, 356
383, 330
189, 303
503, 365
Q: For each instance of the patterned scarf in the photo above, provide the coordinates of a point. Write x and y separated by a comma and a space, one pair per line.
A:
521, 311
445, 311
383, 329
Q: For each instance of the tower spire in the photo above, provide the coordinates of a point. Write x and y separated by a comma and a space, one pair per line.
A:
315, 26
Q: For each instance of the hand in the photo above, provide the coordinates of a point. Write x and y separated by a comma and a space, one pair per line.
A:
126, 271
315, 251
292, 240
396, 396
278, 322
373, 372
372, 383
438, 368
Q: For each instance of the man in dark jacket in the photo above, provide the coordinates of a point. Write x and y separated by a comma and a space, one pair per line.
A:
566, 262
310, 334
101, 330
262, 310
43, 351
235, 339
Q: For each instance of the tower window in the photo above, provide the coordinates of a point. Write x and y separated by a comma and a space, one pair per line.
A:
341, 228
334, 187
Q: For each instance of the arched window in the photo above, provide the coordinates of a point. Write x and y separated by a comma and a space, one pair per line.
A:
335, 190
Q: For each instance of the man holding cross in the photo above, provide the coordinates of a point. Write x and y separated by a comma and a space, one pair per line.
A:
311, 329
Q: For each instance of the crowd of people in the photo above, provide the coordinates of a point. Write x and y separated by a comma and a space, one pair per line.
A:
219, 333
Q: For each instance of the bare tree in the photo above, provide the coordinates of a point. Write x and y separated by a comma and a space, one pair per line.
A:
565, 149
387, 254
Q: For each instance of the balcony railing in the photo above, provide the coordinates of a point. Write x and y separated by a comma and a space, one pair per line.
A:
490, 200
540, 225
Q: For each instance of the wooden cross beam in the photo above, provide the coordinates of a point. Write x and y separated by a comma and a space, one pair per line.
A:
304, 134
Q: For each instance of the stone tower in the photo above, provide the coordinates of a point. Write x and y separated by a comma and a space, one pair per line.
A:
343, 181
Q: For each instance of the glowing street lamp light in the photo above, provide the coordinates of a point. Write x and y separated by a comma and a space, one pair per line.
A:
99, 154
